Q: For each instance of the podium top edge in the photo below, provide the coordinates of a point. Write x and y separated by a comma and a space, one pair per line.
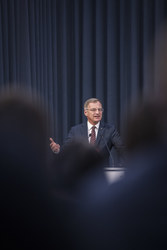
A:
114, 169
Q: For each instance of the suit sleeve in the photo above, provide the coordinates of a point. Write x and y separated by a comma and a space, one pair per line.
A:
116, 140
70, 136
118, 145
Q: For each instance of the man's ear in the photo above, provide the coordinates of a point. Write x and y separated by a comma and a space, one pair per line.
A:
85, 112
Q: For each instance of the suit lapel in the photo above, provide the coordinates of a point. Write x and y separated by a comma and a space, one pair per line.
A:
84, 130
100, 132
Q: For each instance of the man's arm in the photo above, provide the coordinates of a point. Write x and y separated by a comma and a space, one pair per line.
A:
70, 137
117, 141
119, 146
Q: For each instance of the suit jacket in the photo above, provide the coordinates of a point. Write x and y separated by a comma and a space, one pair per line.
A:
107, 138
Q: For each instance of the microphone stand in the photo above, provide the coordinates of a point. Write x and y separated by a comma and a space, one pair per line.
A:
109, 151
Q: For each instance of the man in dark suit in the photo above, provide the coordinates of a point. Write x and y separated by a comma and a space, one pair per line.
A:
102, 135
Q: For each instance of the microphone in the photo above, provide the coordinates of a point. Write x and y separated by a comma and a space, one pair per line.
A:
112, 159
110, 155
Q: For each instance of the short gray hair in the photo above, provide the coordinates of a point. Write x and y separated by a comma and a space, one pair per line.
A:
94, 100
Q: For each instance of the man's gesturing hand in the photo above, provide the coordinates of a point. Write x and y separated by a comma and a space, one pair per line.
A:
54, 146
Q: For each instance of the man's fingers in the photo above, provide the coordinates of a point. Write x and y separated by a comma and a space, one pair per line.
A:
54, 146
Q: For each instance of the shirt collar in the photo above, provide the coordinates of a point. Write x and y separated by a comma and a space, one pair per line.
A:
90, 125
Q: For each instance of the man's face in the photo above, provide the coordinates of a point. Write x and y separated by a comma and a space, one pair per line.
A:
94, 112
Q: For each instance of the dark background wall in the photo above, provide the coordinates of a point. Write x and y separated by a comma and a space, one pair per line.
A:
65, 51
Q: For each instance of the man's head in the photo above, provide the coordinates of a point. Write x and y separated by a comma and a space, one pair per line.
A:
93, 110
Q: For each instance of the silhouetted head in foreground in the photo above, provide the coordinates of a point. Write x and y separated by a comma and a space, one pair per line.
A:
76, 162
147, 125
23, 175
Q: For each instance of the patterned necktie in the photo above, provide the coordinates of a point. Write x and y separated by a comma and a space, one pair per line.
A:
93, 136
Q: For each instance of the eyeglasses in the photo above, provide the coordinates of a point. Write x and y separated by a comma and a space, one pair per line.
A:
94, 110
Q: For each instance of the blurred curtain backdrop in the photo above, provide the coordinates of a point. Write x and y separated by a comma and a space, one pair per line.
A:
66, 51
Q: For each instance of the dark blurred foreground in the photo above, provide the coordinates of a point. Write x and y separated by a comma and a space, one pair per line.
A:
64, 201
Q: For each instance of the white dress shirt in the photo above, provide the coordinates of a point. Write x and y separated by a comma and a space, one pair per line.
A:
90, 129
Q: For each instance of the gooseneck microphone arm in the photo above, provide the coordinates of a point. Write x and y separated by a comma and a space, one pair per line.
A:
109, 151
110, 155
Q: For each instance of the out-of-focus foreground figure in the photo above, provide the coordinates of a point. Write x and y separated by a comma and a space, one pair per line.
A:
28, 218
